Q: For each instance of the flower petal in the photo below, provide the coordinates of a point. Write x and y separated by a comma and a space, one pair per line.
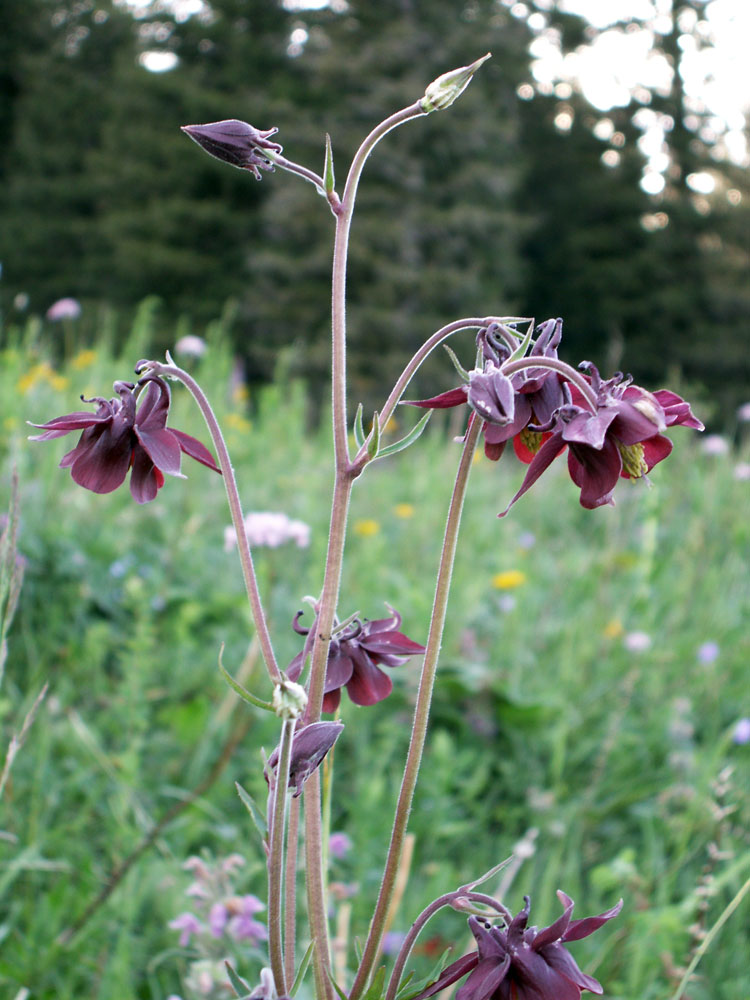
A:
451, 974
162, 448
541, 461
101, 461
485, 979
192, 447
453, 397
582, 928
563, 963
368, 685
145, 480
557, 929
595, 471
534, 979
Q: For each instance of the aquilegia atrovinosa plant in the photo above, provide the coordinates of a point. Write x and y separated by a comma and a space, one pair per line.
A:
518, 390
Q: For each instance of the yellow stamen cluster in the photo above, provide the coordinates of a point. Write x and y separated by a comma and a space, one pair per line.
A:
532, 440
633, 460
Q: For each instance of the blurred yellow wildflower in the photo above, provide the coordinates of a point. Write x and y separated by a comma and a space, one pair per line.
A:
391, 426
84, 359
366, 527
613, 629
240, 393
404, 510
508, 579
43, 372
476, 457
238, 423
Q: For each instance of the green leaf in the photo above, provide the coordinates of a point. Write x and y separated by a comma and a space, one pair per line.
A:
373, 443
520, 351
341, 993
302, 969
240, 987
464, 375
239, 689
259, 820
376, 989
408, 439
329, 179
359, 430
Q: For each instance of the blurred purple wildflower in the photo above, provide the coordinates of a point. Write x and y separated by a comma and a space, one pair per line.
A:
270, 529
64, 309
242, 925
187, 924
708, 652
741, 734
339, 845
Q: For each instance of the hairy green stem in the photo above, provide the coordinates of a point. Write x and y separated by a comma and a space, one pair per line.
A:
421, 711
316, 894
276, 859
235, 508
290, 890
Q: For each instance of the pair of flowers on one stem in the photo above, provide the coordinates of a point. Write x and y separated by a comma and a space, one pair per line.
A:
611, 428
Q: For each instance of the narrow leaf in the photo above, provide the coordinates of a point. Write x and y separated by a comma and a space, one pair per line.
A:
302, 969
375, 990
456, 363
488, 875
239, 689
373, 443
520, 351
359, 430
342, 995
410, 438
240, 987
259, 820
328, 176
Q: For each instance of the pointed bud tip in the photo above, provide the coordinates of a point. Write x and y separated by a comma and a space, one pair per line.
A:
442, 92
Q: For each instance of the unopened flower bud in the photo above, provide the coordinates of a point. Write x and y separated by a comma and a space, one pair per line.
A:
237, 143
289, 700
442, 92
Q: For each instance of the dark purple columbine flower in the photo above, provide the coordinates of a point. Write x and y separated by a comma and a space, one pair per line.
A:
519, 407
119, 437
523, 963
237, 143
620, 439
354, 657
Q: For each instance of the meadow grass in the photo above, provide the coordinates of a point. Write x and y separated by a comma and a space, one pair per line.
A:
609, 757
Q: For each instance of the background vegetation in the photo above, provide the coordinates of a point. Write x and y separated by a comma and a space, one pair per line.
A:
594, 667
556, 723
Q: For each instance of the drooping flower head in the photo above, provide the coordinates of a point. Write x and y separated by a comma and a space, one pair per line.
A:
355, 657
518, 962
121, 436
620, 437
237, 143
519, 407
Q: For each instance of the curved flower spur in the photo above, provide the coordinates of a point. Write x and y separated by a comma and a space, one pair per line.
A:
122, 435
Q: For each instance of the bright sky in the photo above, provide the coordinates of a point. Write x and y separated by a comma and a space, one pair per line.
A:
617, 64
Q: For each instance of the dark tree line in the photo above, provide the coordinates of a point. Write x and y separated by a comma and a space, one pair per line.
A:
492, 206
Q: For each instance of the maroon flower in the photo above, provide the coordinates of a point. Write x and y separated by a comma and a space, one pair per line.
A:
522, 963
237, 143
354, 657
620, 439
118, 437
518, 407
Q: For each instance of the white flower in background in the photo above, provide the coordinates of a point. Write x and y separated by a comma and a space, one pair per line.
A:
637, 642
714, 444
270, 529
743, 413
191, 346
64, 309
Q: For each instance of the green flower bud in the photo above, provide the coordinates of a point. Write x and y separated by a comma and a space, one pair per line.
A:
289, 700
442, 92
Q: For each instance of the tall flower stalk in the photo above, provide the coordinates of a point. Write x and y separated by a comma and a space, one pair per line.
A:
518, 391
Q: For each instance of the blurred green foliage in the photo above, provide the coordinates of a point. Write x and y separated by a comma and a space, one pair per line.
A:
616, 768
